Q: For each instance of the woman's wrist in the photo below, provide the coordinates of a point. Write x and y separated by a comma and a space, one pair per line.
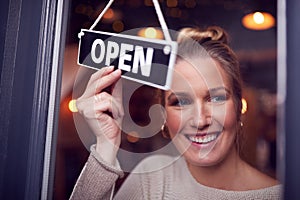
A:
107, 150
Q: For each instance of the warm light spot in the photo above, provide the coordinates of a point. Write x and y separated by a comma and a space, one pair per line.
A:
109, 14
174, 12
244, 106
132, 137
72, 105
172, 3
151, 32
190, 3
148, 3
258, 18
258, 21
118, 26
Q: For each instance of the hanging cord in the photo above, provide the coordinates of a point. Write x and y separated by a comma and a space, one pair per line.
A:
158, 12
101, 14
161, 20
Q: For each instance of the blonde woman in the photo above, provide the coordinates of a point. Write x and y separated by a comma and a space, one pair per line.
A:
203, 119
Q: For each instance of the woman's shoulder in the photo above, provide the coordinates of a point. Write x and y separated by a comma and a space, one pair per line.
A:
258, 180
272, 192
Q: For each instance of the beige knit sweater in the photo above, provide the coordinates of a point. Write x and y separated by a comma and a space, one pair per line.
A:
171, 182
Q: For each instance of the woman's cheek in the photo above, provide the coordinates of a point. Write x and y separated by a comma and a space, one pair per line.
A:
226, 115
173, 121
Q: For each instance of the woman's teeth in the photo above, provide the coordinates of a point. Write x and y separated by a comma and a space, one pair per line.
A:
202, 139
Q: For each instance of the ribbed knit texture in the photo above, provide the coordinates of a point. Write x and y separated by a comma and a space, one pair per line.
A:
96, 179
171, 182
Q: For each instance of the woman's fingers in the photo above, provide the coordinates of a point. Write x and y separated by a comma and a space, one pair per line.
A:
101, 79
107, 80
117, 91
100, 73
105, 102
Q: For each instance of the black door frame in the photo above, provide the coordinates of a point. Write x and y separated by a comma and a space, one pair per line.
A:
292, 106
30, 76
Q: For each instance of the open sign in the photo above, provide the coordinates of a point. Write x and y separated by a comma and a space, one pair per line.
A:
147, 61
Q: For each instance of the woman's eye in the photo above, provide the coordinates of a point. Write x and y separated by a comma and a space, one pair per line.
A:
218, 98
181, 102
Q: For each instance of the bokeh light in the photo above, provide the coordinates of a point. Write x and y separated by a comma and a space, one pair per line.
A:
244, 106
258, 21
72, 105
132, 137
151, 32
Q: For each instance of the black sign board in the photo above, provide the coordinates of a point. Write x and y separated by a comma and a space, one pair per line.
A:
148, 61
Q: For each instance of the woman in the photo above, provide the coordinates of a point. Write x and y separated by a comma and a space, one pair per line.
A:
203, 119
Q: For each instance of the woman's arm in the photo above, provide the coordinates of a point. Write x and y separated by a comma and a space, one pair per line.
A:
103, 112
97, 178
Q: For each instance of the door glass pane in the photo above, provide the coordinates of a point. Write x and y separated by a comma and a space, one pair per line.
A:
254, 44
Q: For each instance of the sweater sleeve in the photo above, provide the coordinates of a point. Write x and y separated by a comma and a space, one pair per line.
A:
97, 179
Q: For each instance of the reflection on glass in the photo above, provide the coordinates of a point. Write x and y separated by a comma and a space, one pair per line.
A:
257, 56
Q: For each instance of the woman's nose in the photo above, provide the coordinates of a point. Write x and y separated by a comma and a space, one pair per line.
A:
201, 115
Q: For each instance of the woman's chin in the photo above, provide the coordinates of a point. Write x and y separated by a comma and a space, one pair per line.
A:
201, 159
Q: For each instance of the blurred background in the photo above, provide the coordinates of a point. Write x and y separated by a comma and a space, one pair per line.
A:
251, 25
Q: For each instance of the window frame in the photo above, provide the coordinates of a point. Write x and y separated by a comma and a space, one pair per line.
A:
30, 75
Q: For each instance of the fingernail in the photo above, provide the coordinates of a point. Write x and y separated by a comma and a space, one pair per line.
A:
110, 67
117, 72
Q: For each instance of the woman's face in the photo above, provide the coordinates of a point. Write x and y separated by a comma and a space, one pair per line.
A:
201, 115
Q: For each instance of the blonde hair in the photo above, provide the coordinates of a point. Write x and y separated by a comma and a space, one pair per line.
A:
213, 33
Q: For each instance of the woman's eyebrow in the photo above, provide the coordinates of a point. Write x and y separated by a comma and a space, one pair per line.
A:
216, 89
176, 94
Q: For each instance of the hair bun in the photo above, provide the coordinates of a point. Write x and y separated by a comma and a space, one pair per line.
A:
213, 33
218, 34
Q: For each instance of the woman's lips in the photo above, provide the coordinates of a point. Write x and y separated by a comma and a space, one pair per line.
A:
202, 138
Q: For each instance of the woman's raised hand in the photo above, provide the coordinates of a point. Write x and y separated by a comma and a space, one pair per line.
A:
103, 111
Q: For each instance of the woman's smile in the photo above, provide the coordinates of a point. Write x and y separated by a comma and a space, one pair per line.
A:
203, 138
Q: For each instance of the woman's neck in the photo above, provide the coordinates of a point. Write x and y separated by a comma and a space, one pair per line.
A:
225, 175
